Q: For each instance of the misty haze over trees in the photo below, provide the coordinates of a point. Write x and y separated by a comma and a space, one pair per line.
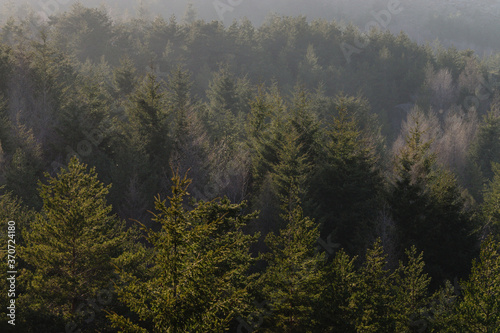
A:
462, 23
215, 167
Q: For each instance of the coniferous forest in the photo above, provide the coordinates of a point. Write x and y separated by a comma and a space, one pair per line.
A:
178, 175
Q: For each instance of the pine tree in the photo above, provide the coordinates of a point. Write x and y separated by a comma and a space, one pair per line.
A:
373, 296
25, 167
411, 284
479, 310
124, 77
179, 99
346, 185
291, 173
5, 68
148, 134
70, 246
265, 125
226, 107
486, 147
196, 278
292, 282
442, 315
336, 312
491, 204
430, 210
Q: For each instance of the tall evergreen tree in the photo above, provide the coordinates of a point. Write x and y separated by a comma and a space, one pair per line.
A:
479, 310
25, 167
292, 281
226, 108
430, 210
148, 134
196, 278
411, 293
373, 296
485, 149
336, 311
346, 186
491, 204
124, 77
70, 247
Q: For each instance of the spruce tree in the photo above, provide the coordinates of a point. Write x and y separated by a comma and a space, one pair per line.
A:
486, 146
292, 282
430, 210
372, 296
491, 204
335, 311
70, 246
346, 185
479, 309
148, 135
124, 77
25, 167
196, 277
411, 293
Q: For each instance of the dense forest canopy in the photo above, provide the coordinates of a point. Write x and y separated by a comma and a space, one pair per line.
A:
280, 174
466, 24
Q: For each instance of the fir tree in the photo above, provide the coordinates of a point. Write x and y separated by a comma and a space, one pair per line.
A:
479, 310
294, 275
336, 311
25, 167
196, 278
411, 299
430, 210
71, 245
372, 296
346, 185
124, 77
148, 132
486, 147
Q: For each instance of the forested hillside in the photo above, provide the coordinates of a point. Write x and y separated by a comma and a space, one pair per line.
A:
178, 175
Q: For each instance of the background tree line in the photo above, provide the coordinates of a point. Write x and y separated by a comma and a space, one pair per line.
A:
321, 194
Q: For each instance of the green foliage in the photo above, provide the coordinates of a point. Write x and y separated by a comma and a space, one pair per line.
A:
82, 31
430, 210
70, 246
491, 204
372, 295
346, 186
336, 311
84, 84
147, 134
125, 77
411, 299
226, 107
486, 146
11, 209
25, 167
292, 281
196, 277
479, 310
